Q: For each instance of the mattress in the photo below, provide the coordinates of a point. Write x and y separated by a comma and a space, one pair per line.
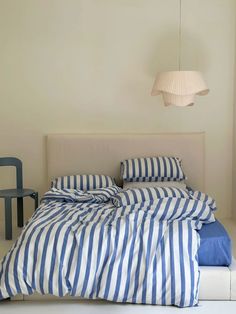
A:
215, 245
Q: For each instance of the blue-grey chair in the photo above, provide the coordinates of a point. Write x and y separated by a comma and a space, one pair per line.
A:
18, 193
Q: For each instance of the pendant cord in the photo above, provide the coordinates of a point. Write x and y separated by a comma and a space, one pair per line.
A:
180, 32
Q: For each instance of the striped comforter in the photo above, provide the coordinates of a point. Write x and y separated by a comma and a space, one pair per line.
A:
145, 252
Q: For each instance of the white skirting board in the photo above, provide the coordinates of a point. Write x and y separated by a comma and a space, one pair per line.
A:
216, 283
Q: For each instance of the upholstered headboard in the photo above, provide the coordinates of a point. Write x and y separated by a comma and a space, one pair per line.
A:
69, 154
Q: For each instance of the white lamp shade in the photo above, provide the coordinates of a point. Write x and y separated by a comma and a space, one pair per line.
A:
178, 100
179, 87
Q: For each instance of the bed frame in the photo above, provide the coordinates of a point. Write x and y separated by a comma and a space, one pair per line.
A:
69, 154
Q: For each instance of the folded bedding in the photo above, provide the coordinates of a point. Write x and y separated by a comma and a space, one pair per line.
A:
215, 245
136, 247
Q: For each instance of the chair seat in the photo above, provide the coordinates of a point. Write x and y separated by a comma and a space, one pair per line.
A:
14, 193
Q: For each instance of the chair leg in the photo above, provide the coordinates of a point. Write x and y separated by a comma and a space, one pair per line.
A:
20, 213
36, 200
8, 219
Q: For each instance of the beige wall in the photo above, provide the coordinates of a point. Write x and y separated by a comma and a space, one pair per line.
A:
234, 142
89, 65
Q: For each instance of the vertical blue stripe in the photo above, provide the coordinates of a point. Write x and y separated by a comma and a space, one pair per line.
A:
75, 183
163, 266
53, 259
100, 181
177, 204
191, 263
78, 266
181, 255
108, 242
177, 174
107, 183
171, 167
61, 262
140, 252
36, 246
126, 170
165, 212
71, 256
133, 168
99, 252
87, 183
159, 174
6, 276
118, 281
152, 167
82, 182
54, 255
113, 259
140, 174
172, 263
94, 182
149, 193
130, 258
154, 266
165, 168
89, 254
134, 193
146, 167
147, 259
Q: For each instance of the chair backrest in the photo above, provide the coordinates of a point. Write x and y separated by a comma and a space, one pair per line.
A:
14, 162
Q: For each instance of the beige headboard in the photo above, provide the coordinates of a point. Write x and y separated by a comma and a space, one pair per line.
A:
69, 154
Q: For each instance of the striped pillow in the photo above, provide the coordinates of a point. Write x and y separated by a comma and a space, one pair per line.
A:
134, 196
83, 182
152, 169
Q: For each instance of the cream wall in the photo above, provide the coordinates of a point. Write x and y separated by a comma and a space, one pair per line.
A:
234, 144
89, 65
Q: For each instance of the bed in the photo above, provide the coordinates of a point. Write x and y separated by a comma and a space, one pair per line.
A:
89, 153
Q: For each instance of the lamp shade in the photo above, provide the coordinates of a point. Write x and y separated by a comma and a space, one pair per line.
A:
179, 87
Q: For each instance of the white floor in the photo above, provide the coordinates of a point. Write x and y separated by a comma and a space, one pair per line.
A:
94, 307
28, 307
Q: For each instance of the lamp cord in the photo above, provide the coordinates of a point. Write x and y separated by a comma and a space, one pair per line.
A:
180, 32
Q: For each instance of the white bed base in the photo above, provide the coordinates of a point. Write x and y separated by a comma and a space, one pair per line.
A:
88, 153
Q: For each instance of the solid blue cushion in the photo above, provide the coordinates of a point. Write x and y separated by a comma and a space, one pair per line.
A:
215, 245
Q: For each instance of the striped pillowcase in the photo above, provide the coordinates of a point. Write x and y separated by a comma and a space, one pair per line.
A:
134, 196
152, 169
83, 182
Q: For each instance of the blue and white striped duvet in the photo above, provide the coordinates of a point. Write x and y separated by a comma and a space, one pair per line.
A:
140, 253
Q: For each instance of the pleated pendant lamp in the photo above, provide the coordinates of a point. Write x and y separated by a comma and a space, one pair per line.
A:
179, 87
